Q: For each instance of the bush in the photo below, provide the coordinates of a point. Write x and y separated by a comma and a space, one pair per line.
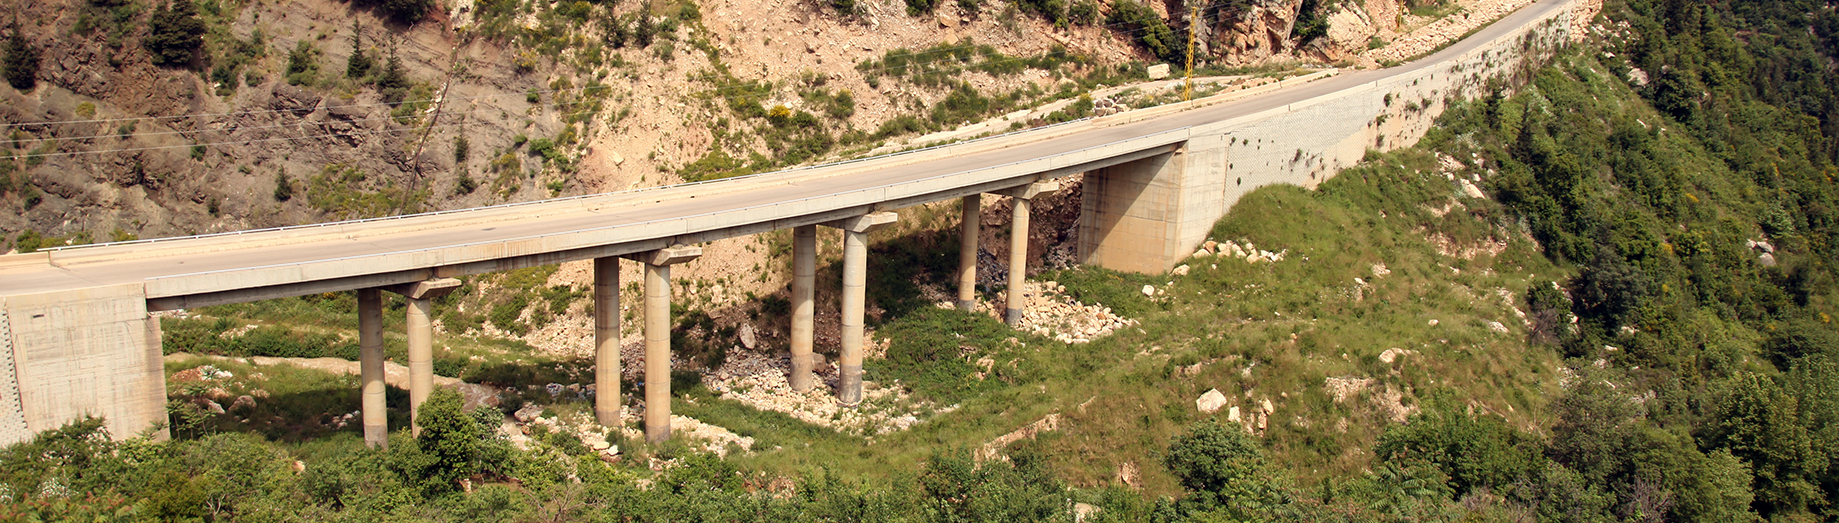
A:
174, 34
1476, 451
302, 64
404, 11
1212, 457
284, 187
21, 60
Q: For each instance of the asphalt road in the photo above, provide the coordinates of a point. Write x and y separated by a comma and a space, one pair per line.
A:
558, 225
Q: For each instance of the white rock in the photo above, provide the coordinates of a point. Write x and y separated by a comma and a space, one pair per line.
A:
1497, 327
1433, 323
1211, 401
746, 333
1232, 414
1149, 290
1268, 407
1181, 271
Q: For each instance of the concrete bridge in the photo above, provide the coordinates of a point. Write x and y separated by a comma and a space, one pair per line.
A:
76, 338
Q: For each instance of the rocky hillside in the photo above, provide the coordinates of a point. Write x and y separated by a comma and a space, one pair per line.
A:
153, 119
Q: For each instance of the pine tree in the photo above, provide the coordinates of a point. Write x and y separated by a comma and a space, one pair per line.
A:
21, 59
360, 63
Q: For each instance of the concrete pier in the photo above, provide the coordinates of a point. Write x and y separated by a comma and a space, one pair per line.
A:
804, 313
855, 286
370, 364
421, 358
1018, 263
421, 297
606, 341
657, 336
1018, 245
969, 225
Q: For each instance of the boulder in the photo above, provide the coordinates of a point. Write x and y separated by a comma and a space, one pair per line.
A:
1211, 401
747, 335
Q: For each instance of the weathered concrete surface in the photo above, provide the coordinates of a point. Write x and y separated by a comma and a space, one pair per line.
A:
90, 351
1146, 215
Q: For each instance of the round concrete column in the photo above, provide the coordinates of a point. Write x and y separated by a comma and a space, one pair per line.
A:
657, 353
421, 358
606, 341
968, 226
804, 283
370, 364
1018, 261
855, 283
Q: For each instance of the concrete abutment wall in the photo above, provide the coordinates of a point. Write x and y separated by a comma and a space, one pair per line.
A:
90, 352
1147, 215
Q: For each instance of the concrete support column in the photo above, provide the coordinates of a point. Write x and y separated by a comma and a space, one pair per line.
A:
1018, 262
657, 336
968, 227
421, 297
855, 286
657, 353
804, 313
421, 358
1018, 245
606, 341
370, 365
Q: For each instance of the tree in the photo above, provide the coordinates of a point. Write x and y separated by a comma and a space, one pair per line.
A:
1759, 423
175, 34
359, 64
453, 445
21, 59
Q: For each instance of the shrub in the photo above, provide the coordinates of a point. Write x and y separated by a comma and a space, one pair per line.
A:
21, 59
921, 7
404, 11
1476, 451
284, 187
174, 34
1212, 457
302, 65
1083, 12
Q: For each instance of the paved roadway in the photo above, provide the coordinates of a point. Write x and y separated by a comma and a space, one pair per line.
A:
341, 254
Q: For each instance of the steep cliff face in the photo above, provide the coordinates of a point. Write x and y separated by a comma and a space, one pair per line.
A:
1258, 32
111, 146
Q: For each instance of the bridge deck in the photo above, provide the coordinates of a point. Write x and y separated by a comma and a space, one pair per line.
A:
273, 263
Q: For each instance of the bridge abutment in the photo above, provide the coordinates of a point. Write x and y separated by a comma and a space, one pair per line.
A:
88, 352
1144, 215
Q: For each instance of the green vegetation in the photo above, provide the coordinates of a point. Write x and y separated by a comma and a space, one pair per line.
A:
1602, 339
302, 64
19, 59
175, 34
345, 192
